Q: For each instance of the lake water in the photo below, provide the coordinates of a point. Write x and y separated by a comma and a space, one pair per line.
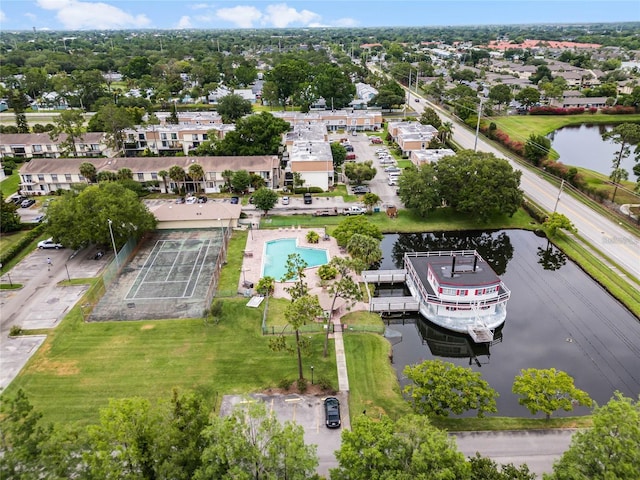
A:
582, 146
557, 317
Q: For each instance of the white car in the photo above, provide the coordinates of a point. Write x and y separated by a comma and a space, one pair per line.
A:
49, 243
392, 169
191, 200
285, 200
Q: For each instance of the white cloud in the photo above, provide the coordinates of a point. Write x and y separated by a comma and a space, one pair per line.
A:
3, 17
200, 6
184, 22
280, 15
241, 16
79, 15
346, 22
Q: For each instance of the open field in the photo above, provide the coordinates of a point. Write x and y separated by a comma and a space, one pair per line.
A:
9, 185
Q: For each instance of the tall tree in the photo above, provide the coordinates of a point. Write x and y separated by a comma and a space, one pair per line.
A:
88, 171
609, 449
339, 154
364, 250
625, 135
251, 444
286, 78
500, 94
295, 267
430, 117
334, 85
439, 388
528, 97
537, 148
241, 181
547, 391
163, 174
259, 134
265, 199
359, 172
342, 286
232, 107
178, 175
411, 448
113, 121
9, 218
80, 219
301, 311
353, 225
69, 123
420, 189
196, 172
18, 101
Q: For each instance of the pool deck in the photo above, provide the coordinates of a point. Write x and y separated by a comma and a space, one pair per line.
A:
252, 270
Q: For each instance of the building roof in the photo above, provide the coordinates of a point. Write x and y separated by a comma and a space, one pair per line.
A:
312, 166
44, 139
464, 275
257, 163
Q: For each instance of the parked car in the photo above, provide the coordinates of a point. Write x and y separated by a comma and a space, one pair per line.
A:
202, 199
332, 412
377, 140
285, 200
191, 200
39, 218
393, 182
235, 200
392, 169
350, 156
18, 200
307, 199
360, 189
180, 200
49, 243
27, 203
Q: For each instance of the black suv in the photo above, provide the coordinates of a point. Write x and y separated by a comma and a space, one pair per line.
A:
307, 199
332, 412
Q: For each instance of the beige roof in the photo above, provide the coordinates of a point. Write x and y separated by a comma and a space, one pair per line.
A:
257, 163
212, 210
312, 166
44, 139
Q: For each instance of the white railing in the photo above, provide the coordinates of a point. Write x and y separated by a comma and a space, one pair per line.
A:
444, 253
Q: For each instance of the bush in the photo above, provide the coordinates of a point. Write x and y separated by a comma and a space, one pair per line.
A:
618, 110
313, 237
308, 190
15, 250
285, 384
546, 110
302, 385
325, 384
15, 331
327, 272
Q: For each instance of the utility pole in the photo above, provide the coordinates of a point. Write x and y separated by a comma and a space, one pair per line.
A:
475, 144
555, 207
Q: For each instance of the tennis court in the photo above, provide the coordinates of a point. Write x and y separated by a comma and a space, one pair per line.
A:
171, 275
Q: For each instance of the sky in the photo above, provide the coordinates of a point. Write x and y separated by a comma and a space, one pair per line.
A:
227, 14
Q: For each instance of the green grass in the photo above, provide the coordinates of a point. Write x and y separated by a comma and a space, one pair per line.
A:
519, 127
9, 185
230, 275
408, 222
10, 286
8, 240
82, 365
373, 385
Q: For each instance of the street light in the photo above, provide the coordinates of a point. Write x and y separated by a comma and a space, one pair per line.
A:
113, 242
311, 374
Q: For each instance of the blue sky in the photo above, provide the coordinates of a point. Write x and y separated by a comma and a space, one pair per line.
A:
171, 14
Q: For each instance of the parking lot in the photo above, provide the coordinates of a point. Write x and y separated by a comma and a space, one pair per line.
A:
308, 412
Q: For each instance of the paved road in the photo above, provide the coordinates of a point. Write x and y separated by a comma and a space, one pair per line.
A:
537, 448
604, 234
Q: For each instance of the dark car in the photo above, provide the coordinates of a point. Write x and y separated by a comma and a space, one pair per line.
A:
360, 189
18, 200
235, 200
307, 198
332, 412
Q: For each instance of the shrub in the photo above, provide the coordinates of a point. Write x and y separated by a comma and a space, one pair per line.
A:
285, 384
618, 110
313, 237
15, 331
327, 272
11, 253
302, 385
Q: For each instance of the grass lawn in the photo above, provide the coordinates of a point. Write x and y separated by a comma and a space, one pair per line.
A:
519, 127
9, 185
407, 221
8, 240
82, 365
373, 384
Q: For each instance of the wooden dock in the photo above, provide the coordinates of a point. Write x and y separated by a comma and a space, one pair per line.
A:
394, 304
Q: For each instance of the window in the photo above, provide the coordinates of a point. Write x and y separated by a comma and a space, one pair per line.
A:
174, 136
194, 137
95, 147
204, 136
154, 175
41, 177
49, 148
67, 177
163, 136
54, 177
37, 148
141, 136
141, 176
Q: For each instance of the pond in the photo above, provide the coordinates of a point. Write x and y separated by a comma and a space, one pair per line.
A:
582, 146
557, 317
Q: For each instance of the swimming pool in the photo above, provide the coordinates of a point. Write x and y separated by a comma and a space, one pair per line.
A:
277, 251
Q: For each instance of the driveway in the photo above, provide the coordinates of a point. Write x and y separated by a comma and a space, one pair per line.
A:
41, 302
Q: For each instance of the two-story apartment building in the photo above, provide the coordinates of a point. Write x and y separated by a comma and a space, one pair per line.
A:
411, 136
420, 157
43, 176
169, 140
359, 120
40, 145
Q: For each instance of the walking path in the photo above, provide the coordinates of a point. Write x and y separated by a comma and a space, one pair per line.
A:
252, 272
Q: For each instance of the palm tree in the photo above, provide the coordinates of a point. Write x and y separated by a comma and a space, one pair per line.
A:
88, 171
445, 131
164, 174
125, 174
227, 175
177, 174
196, 172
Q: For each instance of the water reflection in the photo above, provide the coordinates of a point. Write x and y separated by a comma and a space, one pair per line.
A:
494, 247
550, 257
557, 317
